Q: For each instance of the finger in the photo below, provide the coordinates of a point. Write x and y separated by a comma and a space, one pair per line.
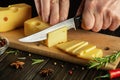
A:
45, 10
80, 9
115, 24
54, 16
64, 9
106, 20
98, 22
87, 20
38, 6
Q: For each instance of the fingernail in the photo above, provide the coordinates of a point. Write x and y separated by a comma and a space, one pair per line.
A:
95, 29
111, 29
62, 19
45, 19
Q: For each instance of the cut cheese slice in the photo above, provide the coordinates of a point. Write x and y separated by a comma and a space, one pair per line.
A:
57, 36
91, 54
34, 25
78, 47
81, 49
67, 46
14, 16
84, 49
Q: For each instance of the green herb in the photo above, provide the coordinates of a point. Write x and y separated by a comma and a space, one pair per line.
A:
22, 58
100, 62
36, 61
13, 52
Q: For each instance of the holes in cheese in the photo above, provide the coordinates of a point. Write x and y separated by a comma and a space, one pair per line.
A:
81, 49
14, 16
34, 25
5, 18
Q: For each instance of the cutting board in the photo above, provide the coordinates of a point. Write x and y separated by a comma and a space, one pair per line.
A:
100, 40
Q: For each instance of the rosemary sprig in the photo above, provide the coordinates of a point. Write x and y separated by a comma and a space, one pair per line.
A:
13, 52
36, 61
100, 62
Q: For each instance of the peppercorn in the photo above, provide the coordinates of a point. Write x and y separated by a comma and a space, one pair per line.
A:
2, 42
55, 63
70, 72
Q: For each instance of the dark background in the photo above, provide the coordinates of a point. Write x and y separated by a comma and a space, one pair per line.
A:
73, 8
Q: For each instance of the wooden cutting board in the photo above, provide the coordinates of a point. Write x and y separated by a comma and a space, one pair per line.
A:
100, 40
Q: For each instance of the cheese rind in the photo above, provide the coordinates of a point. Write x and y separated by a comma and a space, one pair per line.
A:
57, 36
14, 16
34, 25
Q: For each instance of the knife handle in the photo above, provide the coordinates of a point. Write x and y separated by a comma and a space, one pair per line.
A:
78, 20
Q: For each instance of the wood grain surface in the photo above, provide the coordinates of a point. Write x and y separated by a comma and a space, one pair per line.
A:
100, 40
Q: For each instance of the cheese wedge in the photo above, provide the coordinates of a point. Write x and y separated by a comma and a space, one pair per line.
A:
14, 16
91, 54
57, 36
34, 25
67, 46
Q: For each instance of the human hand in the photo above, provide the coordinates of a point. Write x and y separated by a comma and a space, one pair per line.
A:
101, 14
52, 11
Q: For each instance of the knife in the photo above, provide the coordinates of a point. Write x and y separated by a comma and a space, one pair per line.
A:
42, 35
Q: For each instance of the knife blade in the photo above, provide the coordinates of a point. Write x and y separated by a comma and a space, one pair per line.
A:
42, 35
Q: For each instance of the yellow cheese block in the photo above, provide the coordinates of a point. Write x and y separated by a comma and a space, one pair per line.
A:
91, 54
14, 16
67, 46
57, 36
34, 25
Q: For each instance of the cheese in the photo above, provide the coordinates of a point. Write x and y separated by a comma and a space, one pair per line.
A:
34, 25
81, 49
69, 45
78, 47
57, 36
84, 49
91, 54
14, 16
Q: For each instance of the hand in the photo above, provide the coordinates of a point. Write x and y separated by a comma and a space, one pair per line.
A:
101, 14
52, 11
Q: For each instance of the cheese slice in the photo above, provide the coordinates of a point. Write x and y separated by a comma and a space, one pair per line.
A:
81, 49
14, 16
67, 46
57, 36
78, 47
34, 25
91, 54
84, 49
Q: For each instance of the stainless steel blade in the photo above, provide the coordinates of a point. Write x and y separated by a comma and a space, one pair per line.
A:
42, 35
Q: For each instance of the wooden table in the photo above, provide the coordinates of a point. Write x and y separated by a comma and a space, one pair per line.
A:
61, 69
